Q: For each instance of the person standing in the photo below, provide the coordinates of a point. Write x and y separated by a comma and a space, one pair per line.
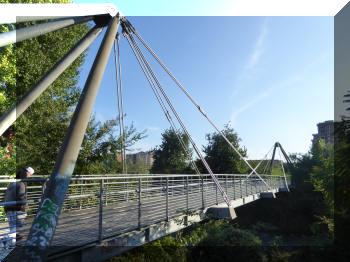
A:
16, 213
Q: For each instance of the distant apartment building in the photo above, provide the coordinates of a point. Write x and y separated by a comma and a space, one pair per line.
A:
325, 131
145, 157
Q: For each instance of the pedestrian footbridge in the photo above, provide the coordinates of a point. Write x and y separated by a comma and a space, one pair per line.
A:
103, 216
92, 218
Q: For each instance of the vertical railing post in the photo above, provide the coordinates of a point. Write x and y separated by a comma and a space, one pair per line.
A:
246, 188
106, 203
199, 187
268, 179
172, 189
251, 186
140, 202
226, 185
187, 192
127, 189
202, 183
100, 217
234, 186
147, 187
81, 193
255, 187
216, 193
167, 199
240, 185
191, 182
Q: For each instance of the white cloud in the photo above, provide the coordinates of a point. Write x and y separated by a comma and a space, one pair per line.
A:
258, 48
283, 84
254, 59
252, 102
303, 73
153, 129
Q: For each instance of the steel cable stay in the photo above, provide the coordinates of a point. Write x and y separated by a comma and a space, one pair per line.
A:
163, 106
257, 166
122, 107
223, 193
120, 110
161, 103
126, 23
120, 103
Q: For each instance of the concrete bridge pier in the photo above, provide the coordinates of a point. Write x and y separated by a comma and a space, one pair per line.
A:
221, 212
269, 194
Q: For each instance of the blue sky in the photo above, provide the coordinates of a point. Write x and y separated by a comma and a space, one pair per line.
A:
270, 77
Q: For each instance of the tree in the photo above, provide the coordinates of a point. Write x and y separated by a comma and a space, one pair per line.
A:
37, 135
301, 170
221, 158
322, 178
39, 132
342, 181
7, 77
140, 167
101, 146
170, 157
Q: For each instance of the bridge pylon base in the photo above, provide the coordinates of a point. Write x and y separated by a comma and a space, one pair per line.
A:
267, 195
217, 212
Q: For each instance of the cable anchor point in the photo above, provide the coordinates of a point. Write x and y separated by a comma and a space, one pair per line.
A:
127, 28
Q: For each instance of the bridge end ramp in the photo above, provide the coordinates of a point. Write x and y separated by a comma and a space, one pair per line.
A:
221, 212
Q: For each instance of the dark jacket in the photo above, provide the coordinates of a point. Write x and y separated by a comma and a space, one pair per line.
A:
16, 191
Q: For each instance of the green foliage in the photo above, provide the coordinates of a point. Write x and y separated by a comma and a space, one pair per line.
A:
8, 161
203, 243
170, 157
261, 167
221, 240
322, 177
40, 130
3, 217
264, 227
221, 158
303, 164
140, 167
100, 147
313, 177
167, 249
342, 179
224, 233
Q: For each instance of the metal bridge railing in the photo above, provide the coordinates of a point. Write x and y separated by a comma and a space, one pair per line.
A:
97, 207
